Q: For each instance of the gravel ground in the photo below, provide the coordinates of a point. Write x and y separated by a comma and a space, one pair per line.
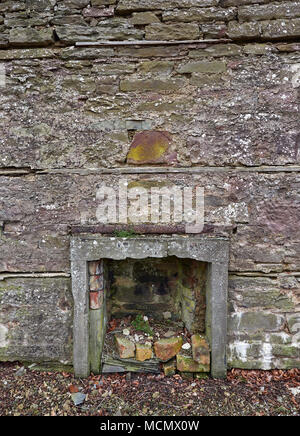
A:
255, 393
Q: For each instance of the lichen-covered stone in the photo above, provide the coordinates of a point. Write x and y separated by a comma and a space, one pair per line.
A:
36, 319
39, 5
280, 29
293, 321
167, 348
200, 349
187, 364
143, 5
12, 6
269, 11
243, 31
260, 292
166, 32
214, 30
27, 53
200, 15
98, 12
30, 36
169, 368
150, 147
255, 321
125, 347
286, 350
76, 4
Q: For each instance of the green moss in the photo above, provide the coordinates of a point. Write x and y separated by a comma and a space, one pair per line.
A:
140, 324
125, 233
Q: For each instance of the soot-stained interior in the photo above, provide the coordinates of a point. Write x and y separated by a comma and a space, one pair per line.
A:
153, 287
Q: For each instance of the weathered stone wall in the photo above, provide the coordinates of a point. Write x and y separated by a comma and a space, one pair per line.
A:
229, 113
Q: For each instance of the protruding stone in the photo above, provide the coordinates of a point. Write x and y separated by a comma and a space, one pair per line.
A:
150, 147
188, 364
125, 347
167, 348
143, 352
200, 349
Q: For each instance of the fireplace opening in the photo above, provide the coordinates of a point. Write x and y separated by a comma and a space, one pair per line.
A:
155, 315
164, 296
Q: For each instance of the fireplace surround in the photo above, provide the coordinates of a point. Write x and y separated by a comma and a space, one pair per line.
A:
86, 248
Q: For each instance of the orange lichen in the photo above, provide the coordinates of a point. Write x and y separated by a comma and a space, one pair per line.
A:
149, 146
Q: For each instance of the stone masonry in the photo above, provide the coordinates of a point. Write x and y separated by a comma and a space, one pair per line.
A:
153, 103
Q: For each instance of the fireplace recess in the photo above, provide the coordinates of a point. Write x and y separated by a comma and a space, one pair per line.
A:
86, 248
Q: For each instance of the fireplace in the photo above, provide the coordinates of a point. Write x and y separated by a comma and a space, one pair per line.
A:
176, 286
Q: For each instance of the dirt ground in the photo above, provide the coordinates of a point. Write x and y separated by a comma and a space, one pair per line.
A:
24, 391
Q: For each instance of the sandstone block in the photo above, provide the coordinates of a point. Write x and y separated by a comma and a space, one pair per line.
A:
125, 347
143, 352
167, 348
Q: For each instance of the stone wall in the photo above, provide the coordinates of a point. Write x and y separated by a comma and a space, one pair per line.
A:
227, 113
